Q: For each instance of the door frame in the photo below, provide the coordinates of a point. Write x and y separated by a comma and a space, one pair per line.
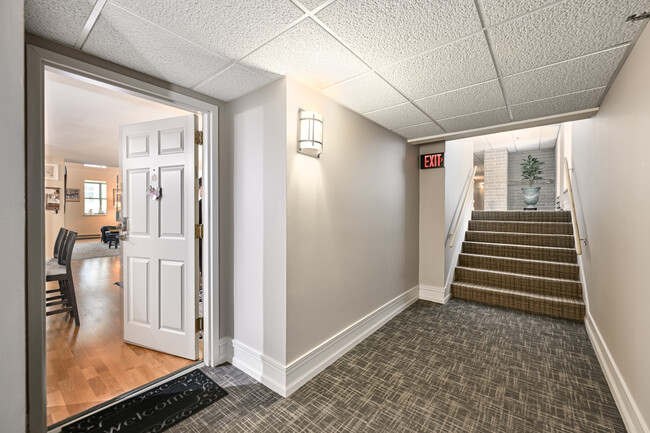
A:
39, 54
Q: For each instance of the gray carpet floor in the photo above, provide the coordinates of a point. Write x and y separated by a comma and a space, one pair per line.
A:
93, 249
460, 367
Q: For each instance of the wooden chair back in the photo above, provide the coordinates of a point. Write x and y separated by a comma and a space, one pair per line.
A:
58, 245
66, 253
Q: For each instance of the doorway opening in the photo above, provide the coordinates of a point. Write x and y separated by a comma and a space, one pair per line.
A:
112, 300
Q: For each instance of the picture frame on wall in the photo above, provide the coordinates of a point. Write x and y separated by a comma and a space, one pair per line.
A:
52, 199
72, 194
51, 171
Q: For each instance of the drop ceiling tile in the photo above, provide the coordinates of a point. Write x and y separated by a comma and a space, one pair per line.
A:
524, 147
398, 116
481, 97
497, 11
568, 29
60, 21
456, 65
232, 28
232, 83
383, 32
312, 4
500, 139
476, 120
571, 76
549, 132
365, 93
309, 54
126, 39
558, 105
419, 131
547, 143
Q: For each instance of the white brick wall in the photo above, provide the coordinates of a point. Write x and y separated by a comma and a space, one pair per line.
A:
496, 179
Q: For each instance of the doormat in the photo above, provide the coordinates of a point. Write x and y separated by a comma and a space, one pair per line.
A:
155, 410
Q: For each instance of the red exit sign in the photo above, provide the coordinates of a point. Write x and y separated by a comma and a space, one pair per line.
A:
432, 160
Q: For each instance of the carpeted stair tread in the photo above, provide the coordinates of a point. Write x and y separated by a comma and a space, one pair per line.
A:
532, 252
543, 240
549, 228
554, 306
539, 216
559, 287
550, 269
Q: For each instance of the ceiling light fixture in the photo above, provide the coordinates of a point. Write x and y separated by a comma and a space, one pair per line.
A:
310, 133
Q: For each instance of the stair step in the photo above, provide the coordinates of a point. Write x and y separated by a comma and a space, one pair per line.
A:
550, 306
558, 241
547, 228
557, 287
511, 215
561, 255
568, 271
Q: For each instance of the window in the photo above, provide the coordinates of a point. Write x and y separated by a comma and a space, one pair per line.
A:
95, 199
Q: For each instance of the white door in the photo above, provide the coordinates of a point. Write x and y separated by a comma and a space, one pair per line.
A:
159, 247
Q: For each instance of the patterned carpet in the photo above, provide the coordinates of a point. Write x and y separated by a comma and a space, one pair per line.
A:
461, 367
93, 249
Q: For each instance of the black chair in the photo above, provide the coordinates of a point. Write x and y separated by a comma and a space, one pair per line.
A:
58, 246
64, 297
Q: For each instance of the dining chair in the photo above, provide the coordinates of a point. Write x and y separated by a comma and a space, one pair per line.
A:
64, 298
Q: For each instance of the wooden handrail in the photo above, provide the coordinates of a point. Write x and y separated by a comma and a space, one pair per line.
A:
574, 219
469, 190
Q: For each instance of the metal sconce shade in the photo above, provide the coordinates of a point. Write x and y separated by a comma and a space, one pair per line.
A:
310, 133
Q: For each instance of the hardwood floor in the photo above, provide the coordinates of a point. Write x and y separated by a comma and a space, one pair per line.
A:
90, 364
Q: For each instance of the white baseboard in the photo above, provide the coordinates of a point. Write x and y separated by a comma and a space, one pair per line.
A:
225, 350
285, 380
320, 357
434, 294
630, 413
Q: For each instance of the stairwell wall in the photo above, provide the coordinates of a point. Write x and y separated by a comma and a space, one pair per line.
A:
611, 158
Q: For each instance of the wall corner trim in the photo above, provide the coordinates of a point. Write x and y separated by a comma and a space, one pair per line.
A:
630, 412
434, 294
285, 380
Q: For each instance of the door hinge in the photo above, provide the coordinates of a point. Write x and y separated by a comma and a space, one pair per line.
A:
198, 231
198, 324
198, 137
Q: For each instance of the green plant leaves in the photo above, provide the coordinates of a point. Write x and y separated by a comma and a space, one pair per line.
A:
531, 169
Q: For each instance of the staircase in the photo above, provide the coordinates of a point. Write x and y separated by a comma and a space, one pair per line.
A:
524, 260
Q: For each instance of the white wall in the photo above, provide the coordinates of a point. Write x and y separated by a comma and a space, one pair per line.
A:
257, 125
12, 218
459, 164
54, 220
352, 221
611, 157
432, 223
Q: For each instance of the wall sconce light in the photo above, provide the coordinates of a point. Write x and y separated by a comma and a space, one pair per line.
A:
310, 133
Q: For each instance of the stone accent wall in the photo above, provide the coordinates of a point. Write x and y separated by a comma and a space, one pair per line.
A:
546, 194
496, 179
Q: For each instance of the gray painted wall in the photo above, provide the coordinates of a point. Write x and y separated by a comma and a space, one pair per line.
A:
611, 157
352, 221
546, 194
258, 134
12, 215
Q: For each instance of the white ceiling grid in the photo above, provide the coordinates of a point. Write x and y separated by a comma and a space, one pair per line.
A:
418, 67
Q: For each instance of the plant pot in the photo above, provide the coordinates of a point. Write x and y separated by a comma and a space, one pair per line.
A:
531, 196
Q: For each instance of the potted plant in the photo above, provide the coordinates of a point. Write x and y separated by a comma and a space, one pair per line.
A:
531, 171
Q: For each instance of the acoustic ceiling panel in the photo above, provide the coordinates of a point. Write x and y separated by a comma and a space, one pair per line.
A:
309, 54
367, 92
60, 21
418, 131
312, 4
476, 120
232, 83
232, 28
456, 65
568, 29
497, 11
593, 71
398, 116
383, 32
126, 39
481, 97
558, 105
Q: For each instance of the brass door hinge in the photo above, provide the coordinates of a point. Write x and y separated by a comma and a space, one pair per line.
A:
198, 231
198, 137
198, 324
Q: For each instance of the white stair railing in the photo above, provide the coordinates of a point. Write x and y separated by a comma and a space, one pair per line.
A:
574, 219
461, 211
